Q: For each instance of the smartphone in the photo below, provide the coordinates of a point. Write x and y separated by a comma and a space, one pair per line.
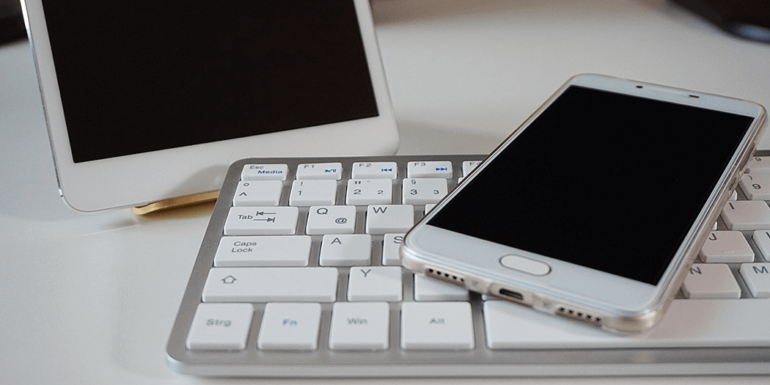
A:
596, 206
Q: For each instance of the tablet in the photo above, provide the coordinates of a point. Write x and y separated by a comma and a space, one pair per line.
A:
149, 100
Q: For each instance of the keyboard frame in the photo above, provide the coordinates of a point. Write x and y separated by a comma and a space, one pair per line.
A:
395, 362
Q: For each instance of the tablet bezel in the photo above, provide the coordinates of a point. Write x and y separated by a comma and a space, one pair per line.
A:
138, 179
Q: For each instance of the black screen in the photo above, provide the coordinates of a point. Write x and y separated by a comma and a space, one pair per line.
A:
603, 180
139, 76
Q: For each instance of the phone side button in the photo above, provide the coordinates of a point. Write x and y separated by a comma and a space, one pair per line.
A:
526, 265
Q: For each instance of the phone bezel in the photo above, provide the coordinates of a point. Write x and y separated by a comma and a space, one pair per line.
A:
138, 179
621, 303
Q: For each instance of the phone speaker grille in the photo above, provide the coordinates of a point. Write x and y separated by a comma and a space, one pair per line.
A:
578, 314
446, 276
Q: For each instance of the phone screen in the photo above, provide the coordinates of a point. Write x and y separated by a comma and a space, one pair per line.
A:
139, 76
603, 180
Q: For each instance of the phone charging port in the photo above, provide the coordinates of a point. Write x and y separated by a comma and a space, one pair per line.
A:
512, 294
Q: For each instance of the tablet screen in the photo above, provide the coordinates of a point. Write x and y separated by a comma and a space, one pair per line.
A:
140, 76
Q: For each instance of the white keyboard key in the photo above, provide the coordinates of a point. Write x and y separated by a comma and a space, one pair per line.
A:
375, 283
746, 215
429, 289
420, 191
436, 325
290, 326
220, 326
470, 165
360, 326
726, 247
762, 240
263, 251
389, 219
390, 245
258, 193
437, 169
369, 192
687, 323
428, 208
313, 193
261, 221
759, 165
264, 172
734, 196
757, 278
756, 186
710, 281
319, 171
331, 220
266, 284
346, 250
375, 170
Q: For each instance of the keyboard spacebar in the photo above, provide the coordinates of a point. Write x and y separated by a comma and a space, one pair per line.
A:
687, 323
317, 284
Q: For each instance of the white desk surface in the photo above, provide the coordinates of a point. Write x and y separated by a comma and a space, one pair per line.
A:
91, 298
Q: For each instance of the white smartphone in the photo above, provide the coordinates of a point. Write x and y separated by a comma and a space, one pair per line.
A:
597, 205
152, 100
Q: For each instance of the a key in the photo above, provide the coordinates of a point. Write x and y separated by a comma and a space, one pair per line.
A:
331, 220
437, 169
726, 247
263, 251
420, 191
746, 215
258, 193
428, 289
687, 324
756, 186
359, 326
290, 326
436, 326
369, 192
390, 245
759, 165
313, 193
261, 221
346, 250
267, 284
375, 283
710, 281
374, 170
220, 326
757, 278
319, 171
264, 172
470, 165
762, 240
383, 219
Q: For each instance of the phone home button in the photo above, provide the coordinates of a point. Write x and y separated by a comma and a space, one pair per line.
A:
526, 265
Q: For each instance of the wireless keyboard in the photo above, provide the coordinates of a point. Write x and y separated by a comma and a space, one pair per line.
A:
298, 275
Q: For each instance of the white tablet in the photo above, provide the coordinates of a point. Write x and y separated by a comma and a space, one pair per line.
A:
148, 100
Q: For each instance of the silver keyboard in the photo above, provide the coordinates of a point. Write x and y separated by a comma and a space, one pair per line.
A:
298, 275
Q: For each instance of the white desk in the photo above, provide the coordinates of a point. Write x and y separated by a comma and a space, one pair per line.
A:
91, 298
